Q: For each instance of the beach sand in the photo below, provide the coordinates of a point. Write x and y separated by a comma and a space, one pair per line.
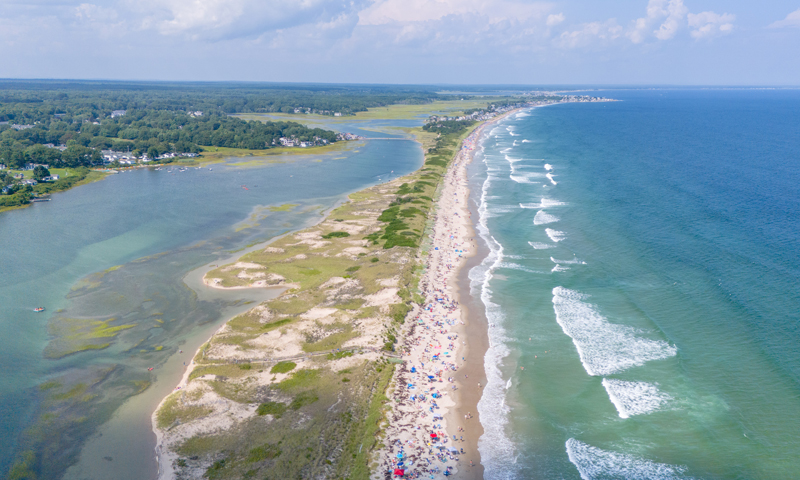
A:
438, 386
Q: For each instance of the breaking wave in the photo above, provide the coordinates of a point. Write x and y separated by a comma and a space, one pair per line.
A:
634, 398
543, 218
595, 464
604, 348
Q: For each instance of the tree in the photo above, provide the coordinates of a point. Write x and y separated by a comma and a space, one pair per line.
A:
40, 172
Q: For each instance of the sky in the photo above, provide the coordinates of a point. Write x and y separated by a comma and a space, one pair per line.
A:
621, 42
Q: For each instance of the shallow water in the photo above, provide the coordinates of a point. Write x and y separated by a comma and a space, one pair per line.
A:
158, 226
648, 286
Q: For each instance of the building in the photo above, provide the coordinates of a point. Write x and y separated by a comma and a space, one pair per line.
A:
118, 113
2, 167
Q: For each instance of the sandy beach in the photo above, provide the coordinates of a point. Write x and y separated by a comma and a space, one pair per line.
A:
434, 424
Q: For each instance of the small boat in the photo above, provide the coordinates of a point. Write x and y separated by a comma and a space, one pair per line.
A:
38, 309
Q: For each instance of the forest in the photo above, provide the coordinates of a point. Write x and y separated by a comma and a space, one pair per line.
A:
67, 124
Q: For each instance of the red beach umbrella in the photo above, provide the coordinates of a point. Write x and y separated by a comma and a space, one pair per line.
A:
399, 472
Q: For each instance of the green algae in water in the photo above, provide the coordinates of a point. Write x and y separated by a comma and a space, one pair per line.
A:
73, 335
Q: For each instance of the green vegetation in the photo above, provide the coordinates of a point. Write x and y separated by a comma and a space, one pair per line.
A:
172, 411
276, 409
336, 235
283, 367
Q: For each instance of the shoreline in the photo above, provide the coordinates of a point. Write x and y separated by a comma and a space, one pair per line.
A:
453, 245
451, 201
473, 315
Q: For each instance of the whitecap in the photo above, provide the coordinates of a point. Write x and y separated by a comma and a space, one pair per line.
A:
543, 218
559, 268
544, 203
555, 235
634, 398
541, 246
547, 166
521, 179
594, 463
574, 261
517, 266
550, 177
526, 141
604, 348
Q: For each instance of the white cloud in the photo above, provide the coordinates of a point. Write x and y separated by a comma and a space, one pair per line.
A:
555, 19
225, 19
590, 34
791, 20
708, 24
402, 11
669, 13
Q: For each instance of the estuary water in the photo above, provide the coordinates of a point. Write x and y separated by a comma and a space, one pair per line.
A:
117, 251
643, 286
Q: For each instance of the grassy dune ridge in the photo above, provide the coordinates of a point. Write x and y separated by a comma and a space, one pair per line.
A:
352, 281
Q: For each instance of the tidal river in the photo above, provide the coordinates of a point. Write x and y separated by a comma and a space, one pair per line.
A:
115, 264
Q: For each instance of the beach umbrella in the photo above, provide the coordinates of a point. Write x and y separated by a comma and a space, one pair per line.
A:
433, 435
431, 377
399, 472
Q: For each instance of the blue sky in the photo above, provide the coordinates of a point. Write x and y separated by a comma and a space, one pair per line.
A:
681, 42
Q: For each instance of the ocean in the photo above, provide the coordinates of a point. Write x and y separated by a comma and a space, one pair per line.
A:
643, 287
123, 249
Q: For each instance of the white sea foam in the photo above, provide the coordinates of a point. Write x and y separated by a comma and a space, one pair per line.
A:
559, 268
594, 464
547, 166
541, 246
521, 179
497, 210
543, 218
544, 203
517, 266
604, 348
634, 398
514, 144
574, 261
497, 451
506, 150
550, 177
526, 141
555, 235
512, 160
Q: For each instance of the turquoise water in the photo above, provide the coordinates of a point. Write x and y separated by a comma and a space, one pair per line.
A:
648, 287
158, 225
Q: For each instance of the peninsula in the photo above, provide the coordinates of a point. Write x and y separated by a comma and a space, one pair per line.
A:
351, 372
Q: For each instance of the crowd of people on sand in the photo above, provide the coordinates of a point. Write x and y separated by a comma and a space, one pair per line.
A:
418, 445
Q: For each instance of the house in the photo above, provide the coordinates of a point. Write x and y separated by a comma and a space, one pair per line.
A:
196, 114
2, 167
31, 166
51, 178
118, 113
337, 114
29, 182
